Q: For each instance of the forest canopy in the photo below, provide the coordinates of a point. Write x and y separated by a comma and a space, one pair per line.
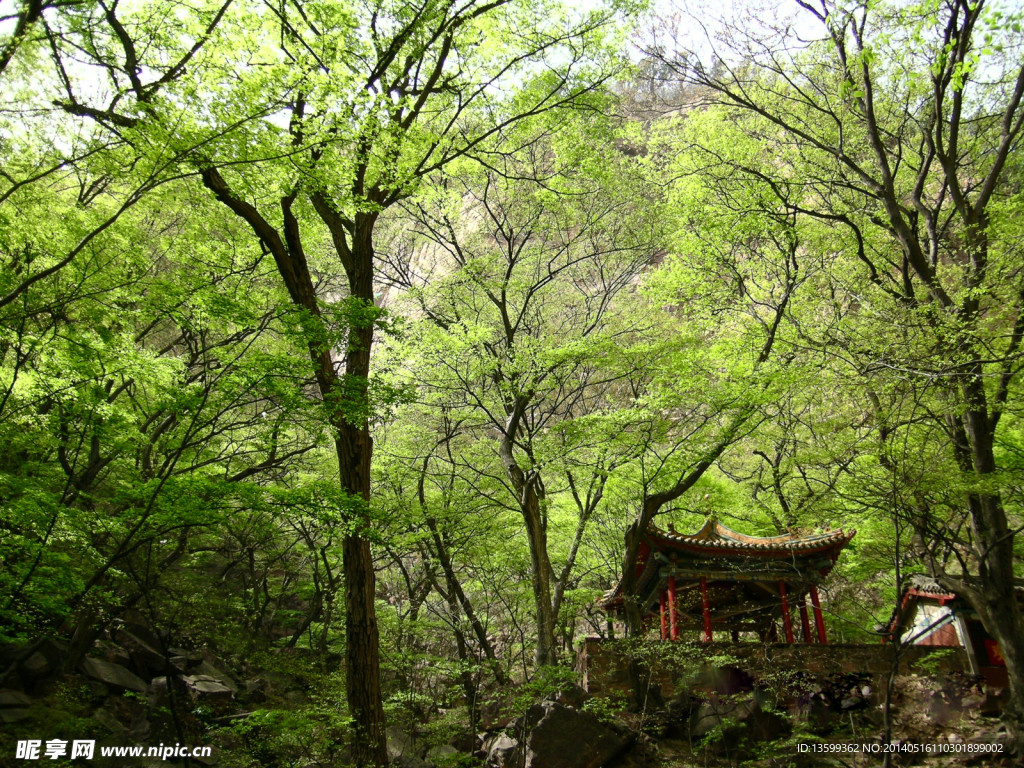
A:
368, 335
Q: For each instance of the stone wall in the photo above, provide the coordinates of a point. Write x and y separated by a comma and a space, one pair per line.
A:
603, 665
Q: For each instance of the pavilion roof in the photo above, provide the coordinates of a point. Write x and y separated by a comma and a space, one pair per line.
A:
717, 539
718, 549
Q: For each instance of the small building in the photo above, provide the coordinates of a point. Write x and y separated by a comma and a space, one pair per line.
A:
928, 614
720, 580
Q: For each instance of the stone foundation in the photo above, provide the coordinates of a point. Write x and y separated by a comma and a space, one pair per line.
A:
603, 665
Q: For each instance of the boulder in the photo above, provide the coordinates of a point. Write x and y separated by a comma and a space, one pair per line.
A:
500, 749
557, 736
157, 694
45, 659
111, 723
465, 741
115, 654
113, 675
143, 654
186, 664
8, 716
98, 690
741, 721
138, 625
206, 668
207, 688
255, 690
497, 709
297, 697
37, 665
10, 699
400, 743
995, 700
572, 695
441, 754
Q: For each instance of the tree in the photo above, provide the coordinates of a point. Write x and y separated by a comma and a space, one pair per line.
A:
357, 139
143, 400
530, 323
896, 133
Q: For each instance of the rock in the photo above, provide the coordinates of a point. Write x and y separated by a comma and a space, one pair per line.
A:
499, 749
255, 690
111, 723
8, 716
558, 736
643, 754
711, 714
995, 699
972, 702
37, 665
399, 742
572, 695
97, 689
465, 741
138, 625
208, 669
408, 761
279, 682
743, 720
114, 654
44, 660
157, 694
10, 699
141, 728
186, 664
207, 688
297, 697
496, 711
438, 755
113, 675
143, 654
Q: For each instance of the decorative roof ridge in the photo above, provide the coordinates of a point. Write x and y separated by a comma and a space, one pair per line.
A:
923, 583
715, 534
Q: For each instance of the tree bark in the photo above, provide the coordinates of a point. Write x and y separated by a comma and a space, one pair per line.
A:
345, 399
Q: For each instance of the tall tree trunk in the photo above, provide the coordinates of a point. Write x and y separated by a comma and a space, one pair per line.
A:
546, 653
993, 595
345, 399
355, 450
530, 499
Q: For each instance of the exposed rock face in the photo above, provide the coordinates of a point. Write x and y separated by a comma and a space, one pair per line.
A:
113, 675
559, 736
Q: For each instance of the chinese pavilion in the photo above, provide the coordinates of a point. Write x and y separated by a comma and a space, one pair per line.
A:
927, 614
720, 580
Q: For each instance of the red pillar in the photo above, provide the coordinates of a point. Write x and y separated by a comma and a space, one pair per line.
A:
787, 623
707, 609
805, 622
819, 620
664, 618
673, 610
